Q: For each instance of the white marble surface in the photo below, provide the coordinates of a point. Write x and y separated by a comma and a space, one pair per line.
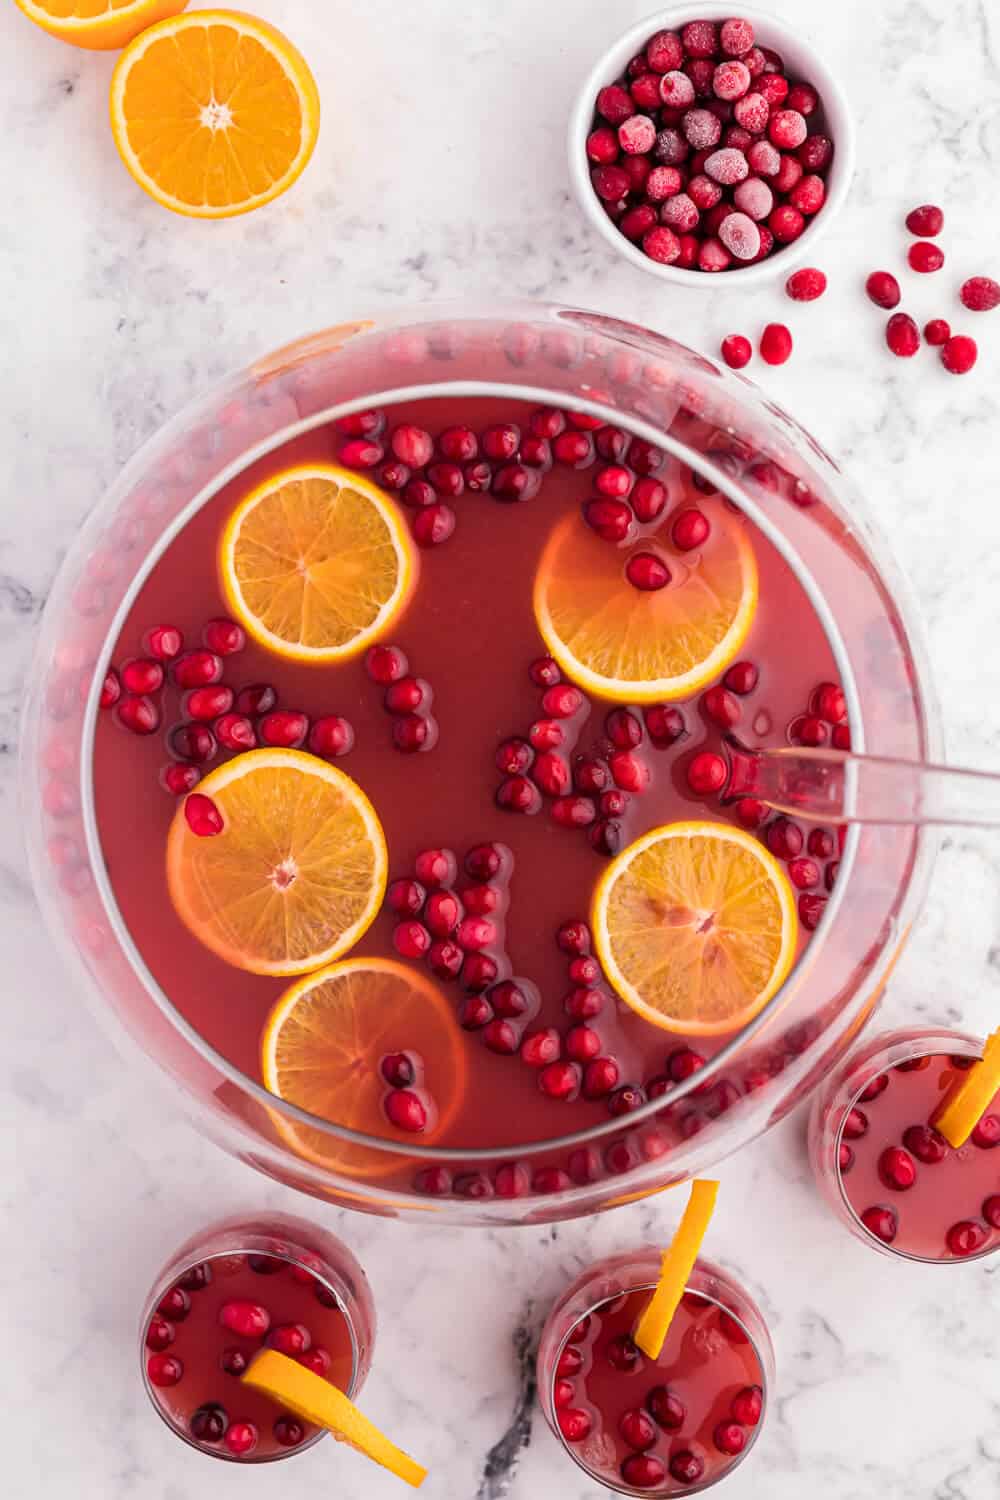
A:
440, 172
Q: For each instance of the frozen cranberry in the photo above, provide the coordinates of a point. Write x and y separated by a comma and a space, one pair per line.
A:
706, 773
925, 221
662, 245
250, 1320
676, 90
763, 158
700, 39
203, 817
727, 166
967, 1237
924, 256
664, 51
614, 104
959, 354
702, 129
637, 135
883, 289
980, 294
903, 336
737, 351
747, 1405
602, 149
687, 1467
816, 153
164, 1370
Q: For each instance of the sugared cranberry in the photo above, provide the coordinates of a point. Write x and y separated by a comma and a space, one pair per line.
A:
980, 294
883, 289
881, 1222
411, 939
706, 773
406, 1110
690, 529
283, 727
730, 1437
986, 1133
775, 344
197, 669
747, 1405
925, 221
902, 335
959, 354
241, 1438
967, 1237
251, 1320
560, 1080
208, 703
203, 817
164, 1370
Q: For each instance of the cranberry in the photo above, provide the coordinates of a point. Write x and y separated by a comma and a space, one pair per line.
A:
481, 900
582, 1044
160, 1334
111, 689
362, 424
331, 737
872, 1090
937, 332
258, 698
805, 285
406, 1110
433, 525
175, 1304
775, 344
539, 1048
197, 669
562, 701
474, 1013
721, 707
164, 642
291, 1339
630, 773
986, 1134
407, 695
203, 817
706, 773
811, 909
980, 294
584, 970
959, 354
747, 1405
883, 289
614, 803
574, 1423
405, 897
178, 780
881, 1222
687, 1467
509, 1000
643, 1471
925, 257
691, 529
241, 1438
502, 1037
138, 715
750, 812
966, 1237
897, 1168
411, 939
164, 1370
625, 1100
664, 51
855, 1124
583, 1003
664, 724
248, 1319
624, 1354
444, 958
233, 1362
397, 1069
924, 1142
592, 775
142, 675
283, 727
737, 351
606, 836
573, 937
991, 1210
552, 773
902, 335
486, 861
803, 873
784, 838
611, 519
560, 1080
478, 972
730, 1437
512, 1181
288, 1432
668, 1410
683, 1063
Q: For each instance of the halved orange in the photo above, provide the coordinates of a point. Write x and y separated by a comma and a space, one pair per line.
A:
618, 642
214, 113
324, 1040
695, 925
100, 25
296, 875
316, 563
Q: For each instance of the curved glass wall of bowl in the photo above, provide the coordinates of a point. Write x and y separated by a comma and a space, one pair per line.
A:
756, 455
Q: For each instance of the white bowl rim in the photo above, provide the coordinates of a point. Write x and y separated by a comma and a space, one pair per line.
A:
610, 65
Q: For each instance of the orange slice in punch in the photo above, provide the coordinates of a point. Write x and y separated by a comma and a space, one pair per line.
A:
214, 113
99, 25
316, 563
968, 1100
323, 1044
314, 1399
634, 646
695, 926
678, 1263
297, 873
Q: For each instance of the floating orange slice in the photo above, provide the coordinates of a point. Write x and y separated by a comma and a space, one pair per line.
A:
100, 25
296, 875
322, 1045
316, 563
970, 1096
619, 642
695, 926
214, 113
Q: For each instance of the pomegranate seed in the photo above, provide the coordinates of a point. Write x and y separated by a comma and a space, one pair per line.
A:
179, 780
574, 1423
959, 354
474, 1013
406, 1110
138, 715
197, 669
991, 1210
897, 1168
706, 773
193, 742
141, 676
257, 699
442, 913
611, 519
980, 294
539, 1048
668, 1410
164, 1370
729, 1437
111, 689
208, 703
925, 257
411, 939
664, 724
164, 642
224, 637
747, 1405
883, 289
737, 351
248, 1319
721, 707
775, 344
445, 959
288, 1431
574, 449
560, 1080
501, 1037
805, 285
903, 336
966, 1237
405, 897
924, 1142
241, 1438
203, 817
986, 1134
691, 529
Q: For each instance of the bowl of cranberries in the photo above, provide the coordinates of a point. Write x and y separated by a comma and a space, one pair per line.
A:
703, 142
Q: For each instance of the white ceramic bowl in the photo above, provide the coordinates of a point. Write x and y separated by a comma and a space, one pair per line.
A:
803, 62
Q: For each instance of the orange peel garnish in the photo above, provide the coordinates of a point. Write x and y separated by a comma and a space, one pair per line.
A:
678, 1263
971, 1096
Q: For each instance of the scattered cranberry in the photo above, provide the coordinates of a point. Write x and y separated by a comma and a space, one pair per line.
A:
203, 817
397, 1069
883, 289
980, 294
959, 354
806, 285
706, 773
937, 332
737, 351
903, 336
775, 344
925, 257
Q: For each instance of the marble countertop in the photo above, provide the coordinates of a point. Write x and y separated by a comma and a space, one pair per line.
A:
441, 173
